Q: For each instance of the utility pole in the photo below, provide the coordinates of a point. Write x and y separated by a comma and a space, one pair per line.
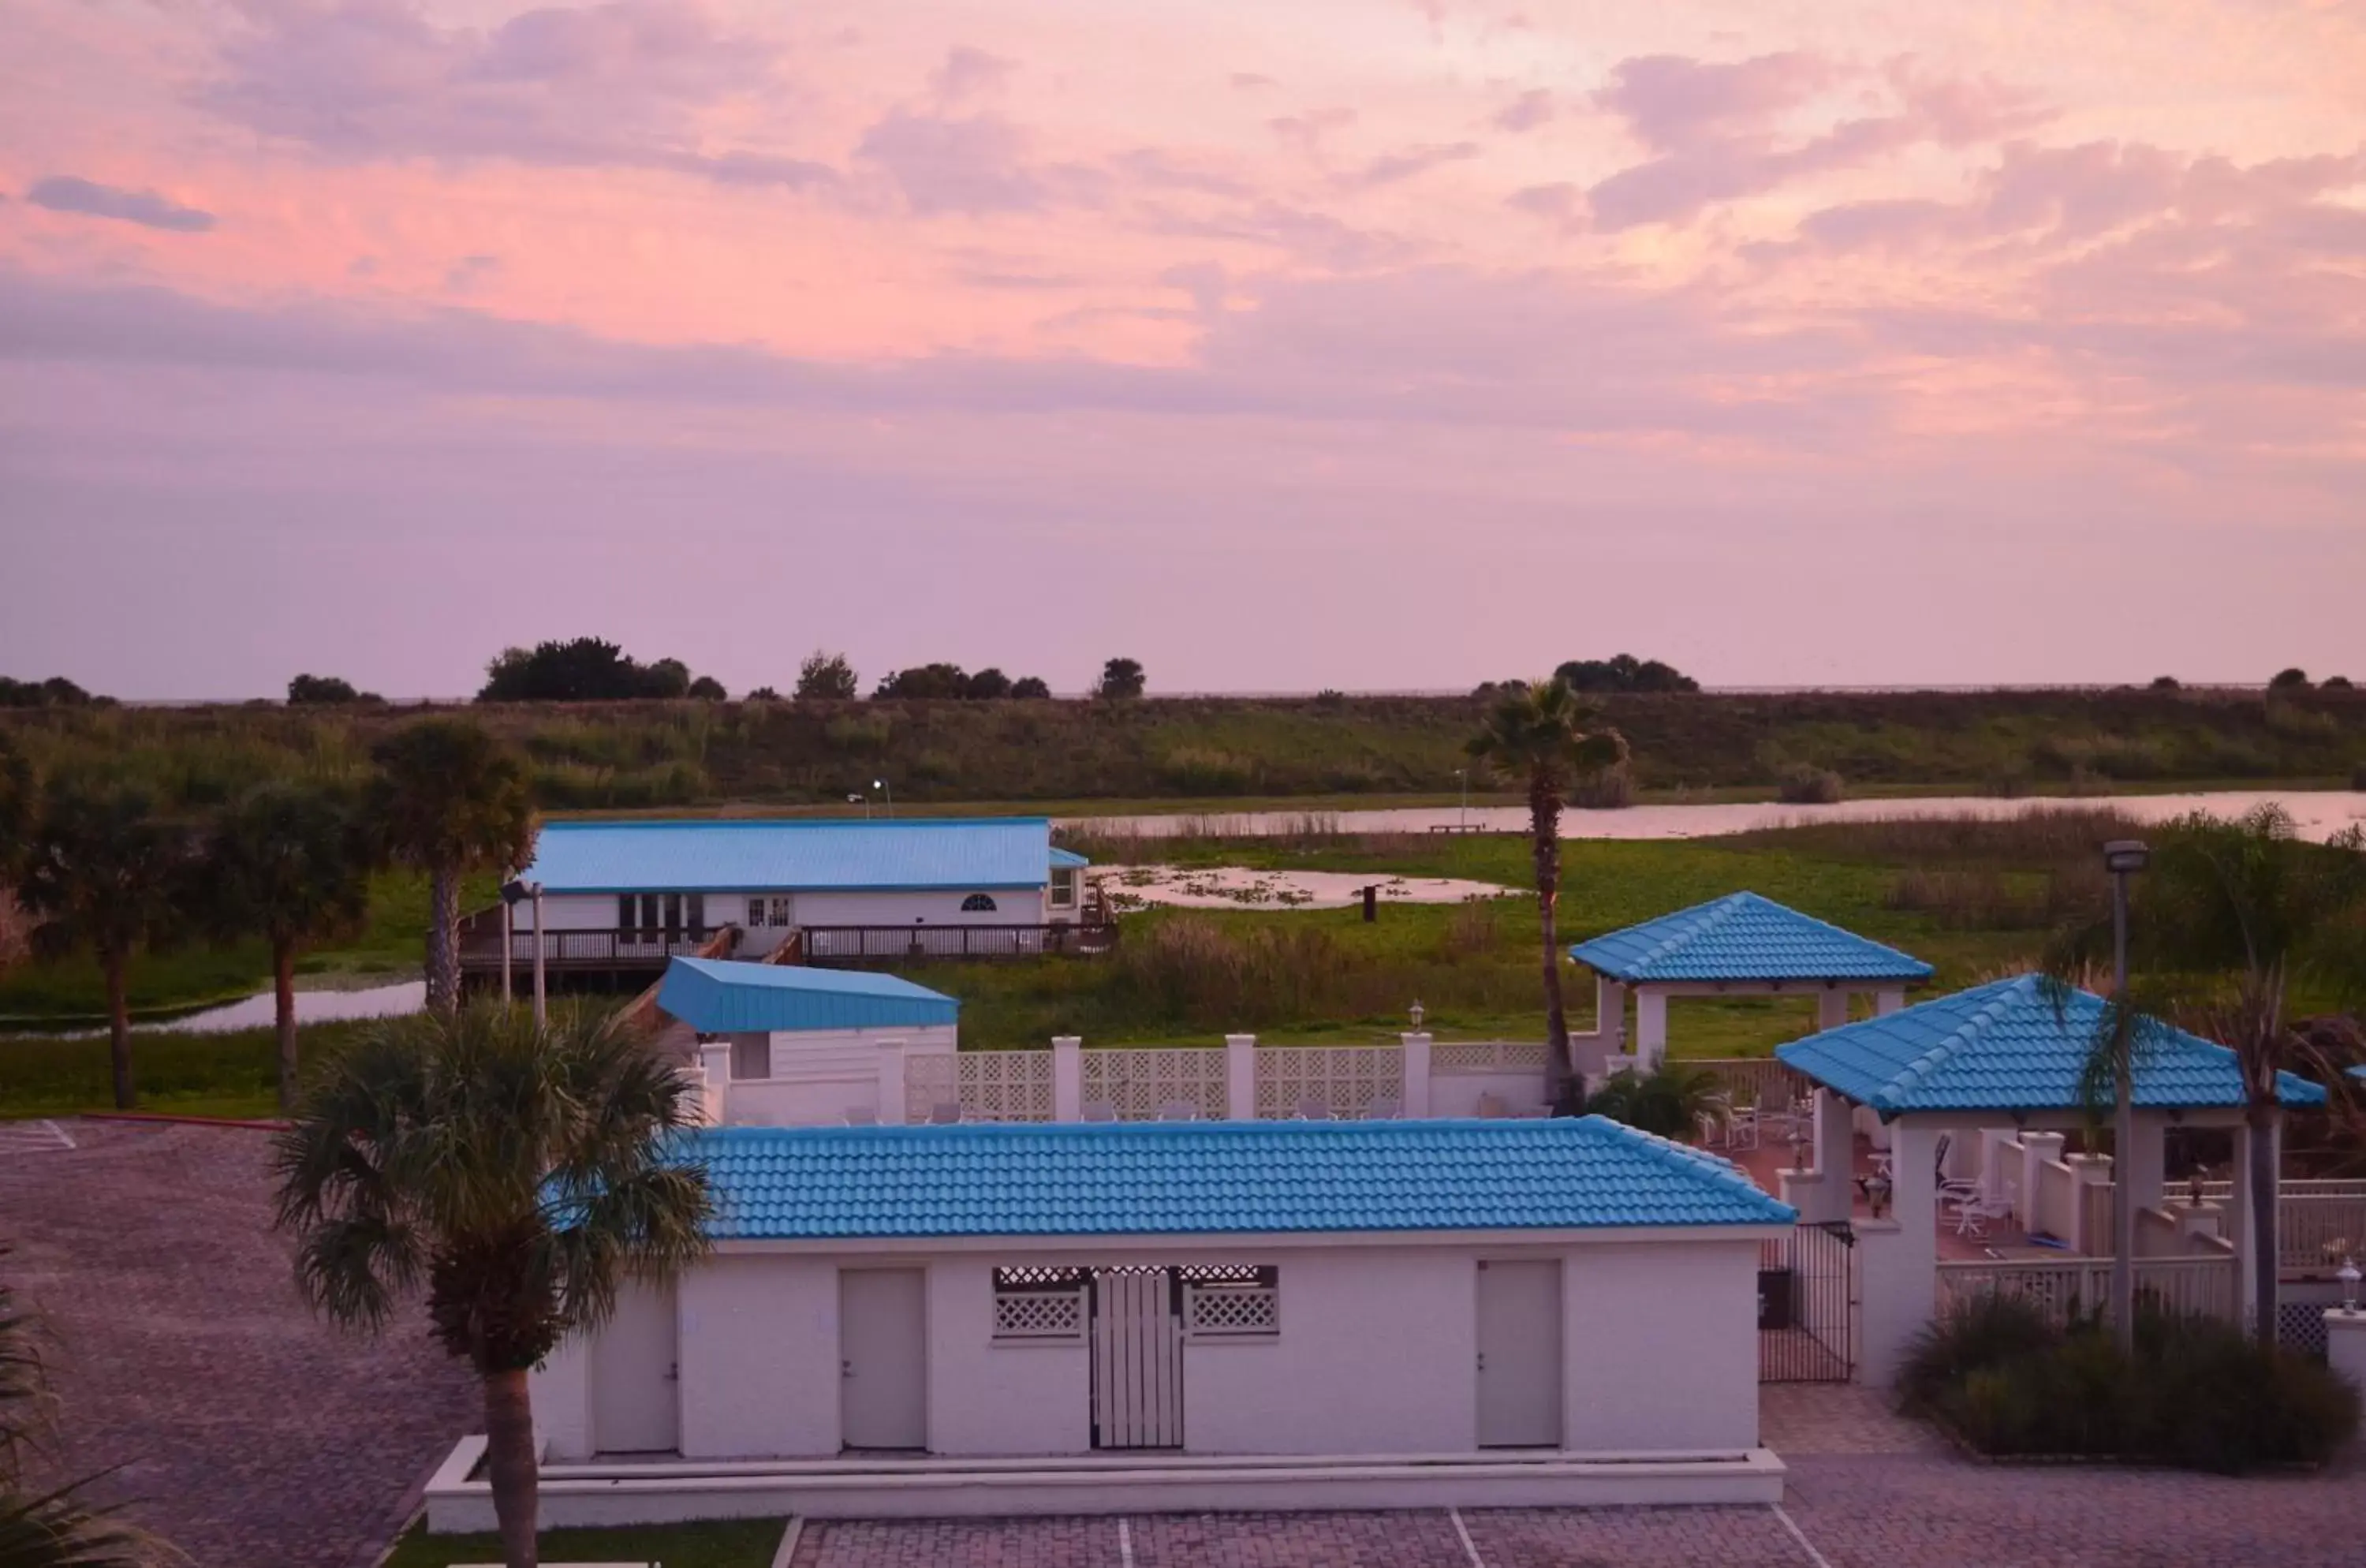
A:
2123, 858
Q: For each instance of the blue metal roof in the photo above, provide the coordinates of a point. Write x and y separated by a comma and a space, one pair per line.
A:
1067, 857
715, 996
829, 855
1744, 937
1193, 1178
2006, 1046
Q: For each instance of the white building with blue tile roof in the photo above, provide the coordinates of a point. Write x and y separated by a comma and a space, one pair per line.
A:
1142, 1316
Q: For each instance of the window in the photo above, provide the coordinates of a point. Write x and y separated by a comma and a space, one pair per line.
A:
625, 910
1232, 1301
755, 911
781, 912
978, 904
1042, 1305
1064, 887
751, 1056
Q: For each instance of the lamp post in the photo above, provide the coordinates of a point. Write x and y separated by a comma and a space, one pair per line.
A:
1416, 1014
885, 793
862, 800
1462, 816
510, 893
2123, 858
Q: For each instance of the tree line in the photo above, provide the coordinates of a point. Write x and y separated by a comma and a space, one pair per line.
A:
106, 867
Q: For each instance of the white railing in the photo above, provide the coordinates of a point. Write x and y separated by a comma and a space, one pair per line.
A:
1005, 1086
2052, 1208
929, 1081
1343, 1079
2312, 1216
2061, 1287
1140, 1081
1754, 1080
1467, 1057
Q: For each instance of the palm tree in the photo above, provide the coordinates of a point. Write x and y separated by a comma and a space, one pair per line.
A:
1538, 738
52, 1529
523, 1172
2228, 915
285, 864
449, 799
101, 870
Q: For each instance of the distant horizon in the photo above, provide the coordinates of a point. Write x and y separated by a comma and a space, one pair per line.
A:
1338, 345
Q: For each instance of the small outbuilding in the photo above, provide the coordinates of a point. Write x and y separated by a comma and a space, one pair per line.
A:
1740, 946
1119, 1316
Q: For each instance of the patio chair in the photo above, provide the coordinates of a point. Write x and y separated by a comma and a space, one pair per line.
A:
1179, 1110
1742, 1128
1099, 1111
1313, 1108
944, 1112
1973, 1209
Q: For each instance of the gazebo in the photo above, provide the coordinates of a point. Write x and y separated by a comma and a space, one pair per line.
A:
1739, 945
1996, 1072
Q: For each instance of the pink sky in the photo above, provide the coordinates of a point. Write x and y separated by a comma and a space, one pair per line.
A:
1370, 346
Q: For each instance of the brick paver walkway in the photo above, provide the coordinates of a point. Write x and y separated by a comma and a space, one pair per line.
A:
249, 1433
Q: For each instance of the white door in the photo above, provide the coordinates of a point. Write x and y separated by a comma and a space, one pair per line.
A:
636, 1386
1519, 1355
884, 1359
1137, 1359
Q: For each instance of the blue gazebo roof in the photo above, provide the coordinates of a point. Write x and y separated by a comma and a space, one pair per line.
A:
2008, 1046
718, 997
1184, 1179
1742, 937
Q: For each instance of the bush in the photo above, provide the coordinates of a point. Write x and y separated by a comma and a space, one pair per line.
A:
1669, 1100
2198, 1393
1804, 783
1610, 789
2289, 681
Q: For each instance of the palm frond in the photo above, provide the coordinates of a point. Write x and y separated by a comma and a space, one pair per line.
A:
58, 1530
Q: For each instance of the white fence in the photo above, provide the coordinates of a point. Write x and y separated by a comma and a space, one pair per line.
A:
2063, 1287
1140, 1082
1477, 1058
1343, 1081
2317, 1219
1754, 1080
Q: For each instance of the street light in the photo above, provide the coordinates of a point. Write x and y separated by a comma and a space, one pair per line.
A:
1462, 817
1415, 1013
860, 799
889, 795
2123, 858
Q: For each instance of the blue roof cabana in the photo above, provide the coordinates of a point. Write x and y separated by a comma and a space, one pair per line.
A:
1741, 944
718, 997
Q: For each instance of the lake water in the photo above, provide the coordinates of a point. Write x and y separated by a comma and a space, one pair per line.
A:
2319, 813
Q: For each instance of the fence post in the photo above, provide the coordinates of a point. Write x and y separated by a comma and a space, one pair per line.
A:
714, 1078
2037, 1150
1067, 1077
1240, 1077
1415, 1102
891, 1083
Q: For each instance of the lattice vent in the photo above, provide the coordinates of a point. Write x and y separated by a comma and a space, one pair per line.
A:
1233, 1312
1039, 1314
1040, 1277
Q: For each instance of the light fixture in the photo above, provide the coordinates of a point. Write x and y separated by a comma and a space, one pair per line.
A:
2348, 1275
1414, 1012
2123, 857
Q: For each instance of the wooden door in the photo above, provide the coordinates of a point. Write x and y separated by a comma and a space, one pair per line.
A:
1137, 1334
883, 1358
636, 1382
1519, 1355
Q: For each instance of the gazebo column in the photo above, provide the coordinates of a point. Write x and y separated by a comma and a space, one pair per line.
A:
2140, 1169
1898, 1256
1831, 1008
1651, 1027
1824, 1194
1888, 999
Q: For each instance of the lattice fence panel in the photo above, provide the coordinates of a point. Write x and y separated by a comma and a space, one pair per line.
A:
1139, 1081
1232, 1312
1005, 1086
1344, 1080
1039, 1314
1487, 1057
929, 1081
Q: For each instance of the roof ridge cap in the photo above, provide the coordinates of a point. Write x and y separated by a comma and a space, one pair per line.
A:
2012, 991
1698, 921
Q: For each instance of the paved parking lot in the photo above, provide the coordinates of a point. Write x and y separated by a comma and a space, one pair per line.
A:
249, 1433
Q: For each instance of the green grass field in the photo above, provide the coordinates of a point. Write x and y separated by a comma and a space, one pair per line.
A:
724, 1543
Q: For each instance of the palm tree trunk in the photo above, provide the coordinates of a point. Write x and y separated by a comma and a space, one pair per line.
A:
443, 941
2260, 1119
510, 1464
119, 1032
283, 1012
1544, 824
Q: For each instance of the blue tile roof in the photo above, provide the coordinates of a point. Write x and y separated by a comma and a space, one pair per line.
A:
1194, 1178
715, 996
2005, 1046
829, 855
1742, 937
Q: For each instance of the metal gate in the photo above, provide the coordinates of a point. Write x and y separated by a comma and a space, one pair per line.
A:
1137, 1331
1806, 1305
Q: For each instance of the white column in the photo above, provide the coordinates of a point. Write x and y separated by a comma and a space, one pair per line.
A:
1067, 1077
1416, 1074
2140, 1167
1651, 1028
2088, 1171
2345, 1344
714, 1071
891, 1083
1826, 1193
1888, 1000
1240, 1077
1899, 1258
2036, 1150
1831, 1008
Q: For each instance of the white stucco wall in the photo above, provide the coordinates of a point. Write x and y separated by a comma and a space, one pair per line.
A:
1456, 1094
1377, 1354
760, 1364
560, 1390
1662, 1353
818, 1075
1013, 906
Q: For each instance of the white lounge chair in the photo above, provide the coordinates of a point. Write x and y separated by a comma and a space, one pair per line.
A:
1179, 1110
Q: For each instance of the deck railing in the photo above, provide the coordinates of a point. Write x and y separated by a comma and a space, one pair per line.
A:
2205, 1286
1754, 1080
922, 945
586, 949
2313, 1215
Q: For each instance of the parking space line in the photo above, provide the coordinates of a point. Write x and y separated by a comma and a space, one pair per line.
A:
1470, 1551
1801, 1537
1125, 1544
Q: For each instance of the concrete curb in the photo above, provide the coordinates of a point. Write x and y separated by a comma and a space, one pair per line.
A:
167, 1119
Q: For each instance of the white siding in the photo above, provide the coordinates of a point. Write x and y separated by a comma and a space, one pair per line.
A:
985, 1398
759, 1359
1013, 906
1662, 1352
818, 1075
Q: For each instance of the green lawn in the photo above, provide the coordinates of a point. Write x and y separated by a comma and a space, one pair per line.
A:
724, 1543
233, 1074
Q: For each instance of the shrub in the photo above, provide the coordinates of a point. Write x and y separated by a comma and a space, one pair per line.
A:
1668, 1100
1804, 783
1607, 789
1981, 1335
826, 677
2289, 681
1203, 770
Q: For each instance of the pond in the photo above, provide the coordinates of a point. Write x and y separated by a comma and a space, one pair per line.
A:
2320, 814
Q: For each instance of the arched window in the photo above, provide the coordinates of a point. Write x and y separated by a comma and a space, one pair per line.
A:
978, 904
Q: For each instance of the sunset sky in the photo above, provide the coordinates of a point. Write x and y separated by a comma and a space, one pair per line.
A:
1377, 346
